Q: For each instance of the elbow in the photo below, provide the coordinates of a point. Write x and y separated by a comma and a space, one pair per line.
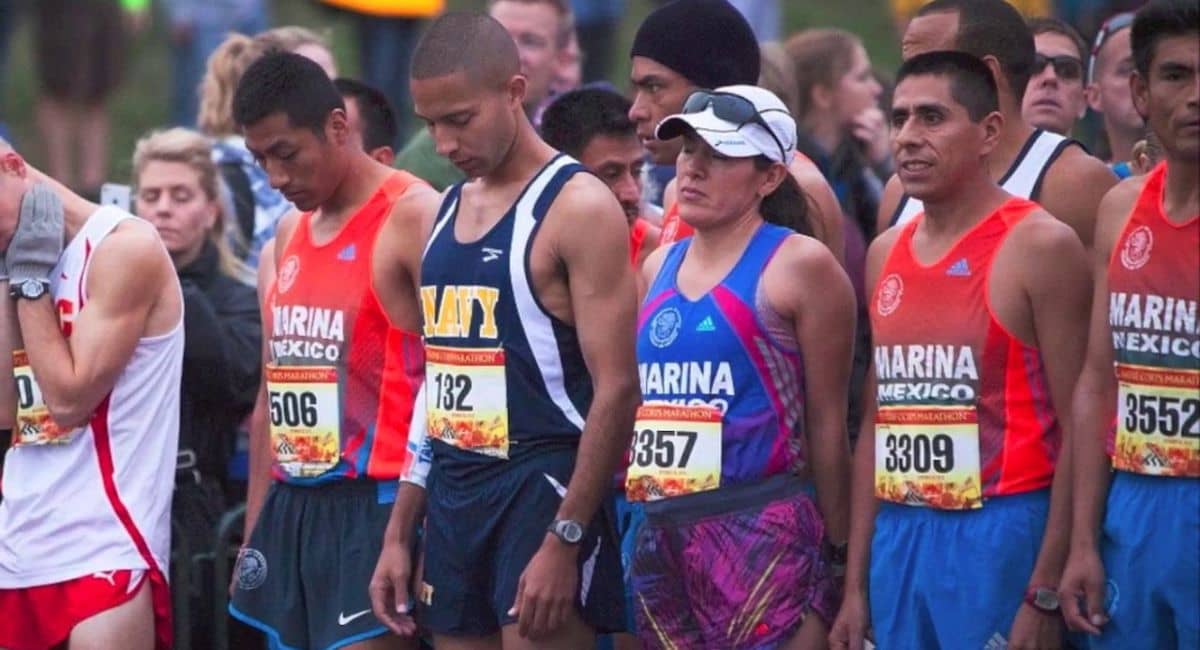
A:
69, 416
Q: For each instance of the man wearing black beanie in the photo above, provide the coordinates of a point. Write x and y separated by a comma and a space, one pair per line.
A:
686, 45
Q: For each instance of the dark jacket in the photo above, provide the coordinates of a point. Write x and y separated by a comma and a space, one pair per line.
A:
221, 360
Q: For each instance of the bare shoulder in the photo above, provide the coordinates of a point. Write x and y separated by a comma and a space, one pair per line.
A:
654, 262
414, 211
585, 197
1075, 178
133, 242
893, 191
130, 263
804, 259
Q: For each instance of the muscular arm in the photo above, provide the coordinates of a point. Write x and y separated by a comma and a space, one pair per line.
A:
809, 287
1057, 282
863, 504
1073, 188
259, 444
603, 301
125, 282
1095, 396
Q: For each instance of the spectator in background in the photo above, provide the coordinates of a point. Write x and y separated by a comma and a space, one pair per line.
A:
302, 41
568, 75
175, 182
1109, 70
1054, 98
842, 128
8, 23
253, 207
370, 117
542, 31
196, 29
592, 125
80, 55
597, 23
904, 10
387, 32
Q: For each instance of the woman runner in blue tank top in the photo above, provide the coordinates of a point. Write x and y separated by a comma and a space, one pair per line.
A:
734, 552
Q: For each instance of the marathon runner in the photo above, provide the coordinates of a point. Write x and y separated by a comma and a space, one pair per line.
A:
528, 301
744, 344
1137, 403
343, 364
93, 339
978, 322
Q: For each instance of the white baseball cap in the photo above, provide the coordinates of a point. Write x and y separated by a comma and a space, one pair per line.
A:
738, 121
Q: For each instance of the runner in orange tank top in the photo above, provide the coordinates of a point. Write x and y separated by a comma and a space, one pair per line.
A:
977, 325
342, 361
1133, 575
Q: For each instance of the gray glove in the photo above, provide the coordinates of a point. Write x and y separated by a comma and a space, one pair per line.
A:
38, 241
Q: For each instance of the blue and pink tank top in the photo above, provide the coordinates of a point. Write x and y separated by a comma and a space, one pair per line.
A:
722, 382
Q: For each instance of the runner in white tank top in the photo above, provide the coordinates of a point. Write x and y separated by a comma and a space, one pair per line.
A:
87, 484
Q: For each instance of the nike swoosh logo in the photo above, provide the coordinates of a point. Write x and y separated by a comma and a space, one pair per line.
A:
346, 620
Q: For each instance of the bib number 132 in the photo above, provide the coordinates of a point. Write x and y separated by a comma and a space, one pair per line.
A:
452, 391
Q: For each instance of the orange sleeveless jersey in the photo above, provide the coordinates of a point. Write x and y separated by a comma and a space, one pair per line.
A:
1153, 291
674, 228
325, 314
938, 344
637, 238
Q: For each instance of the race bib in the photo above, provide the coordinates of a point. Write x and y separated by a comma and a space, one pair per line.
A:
676, 450
466, 399
1158, 421
928, 456
34, 425
306, 418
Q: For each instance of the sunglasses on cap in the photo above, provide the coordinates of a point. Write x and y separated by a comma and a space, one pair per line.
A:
734, 109
1067, 68
1110, 27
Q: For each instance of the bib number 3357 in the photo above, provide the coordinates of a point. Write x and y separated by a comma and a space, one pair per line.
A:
676, 450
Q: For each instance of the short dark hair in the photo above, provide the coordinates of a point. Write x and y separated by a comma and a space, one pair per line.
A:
971, 82
468, 42
992, 28
1051, 25
282, 82
575, 117
379, 120
1158, 20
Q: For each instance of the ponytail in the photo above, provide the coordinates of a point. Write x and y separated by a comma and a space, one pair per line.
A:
788, 205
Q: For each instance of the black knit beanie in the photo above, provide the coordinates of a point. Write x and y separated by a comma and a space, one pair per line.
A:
707, 41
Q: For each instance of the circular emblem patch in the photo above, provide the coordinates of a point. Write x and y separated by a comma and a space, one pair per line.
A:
1136, 251
251, 569
890, 291
664, 329
287, 273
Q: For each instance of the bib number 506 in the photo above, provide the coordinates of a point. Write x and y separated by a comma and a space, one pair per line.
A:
659, 448
920, 454
293, 409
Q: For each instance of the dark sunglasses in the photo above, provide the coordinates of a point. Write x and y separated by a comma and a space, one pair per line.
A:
1067, 68
734, 109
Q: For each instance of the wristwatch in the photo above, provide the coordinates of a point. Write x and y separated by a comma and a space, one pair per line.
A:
29, 289
1043, 599
567, 530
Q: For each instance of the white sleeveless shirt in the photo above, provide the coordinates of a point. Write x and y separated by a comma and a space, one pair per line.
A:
1023, 179
102, 501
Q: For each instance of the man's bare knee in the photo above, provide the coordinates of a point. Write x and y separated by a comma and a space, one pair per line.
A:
130, 626
388, 641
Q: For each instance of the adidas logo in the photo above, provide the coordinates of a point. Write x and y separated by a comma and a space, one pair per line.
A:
348, 253
706, 325
959, 269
